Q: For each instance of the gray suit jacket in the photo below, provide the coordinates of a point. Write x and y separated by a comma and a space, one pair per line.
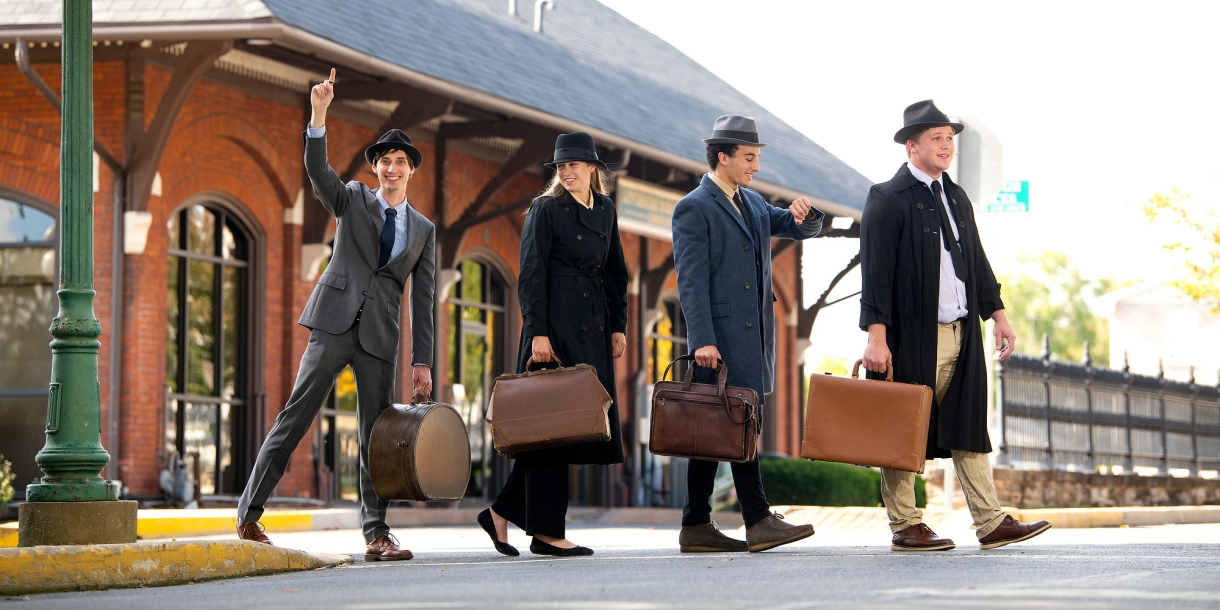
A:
352, 279
717, 278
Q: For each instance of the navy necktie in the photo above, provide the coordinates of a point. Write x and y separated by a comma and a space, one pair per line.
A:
946, 232
387, 237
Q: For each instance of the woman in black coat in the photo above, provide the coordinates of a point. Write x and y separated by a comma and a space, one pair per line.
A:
573, 293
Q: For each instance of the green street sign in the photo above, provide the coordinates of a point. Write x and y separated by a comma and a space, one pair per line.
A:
1014, 197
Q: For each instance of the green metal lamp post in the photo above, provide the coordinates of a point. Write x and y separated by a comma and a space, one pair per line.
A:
73, 457
73, 504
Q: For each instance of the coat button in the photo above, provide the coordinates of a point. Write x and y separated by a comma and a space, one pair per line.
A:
582, 328
747, 286
745, 248
580, 237
749, 324
925, 229
364, 293
565, 208
586, 294
919, 206
602, 235
600, 328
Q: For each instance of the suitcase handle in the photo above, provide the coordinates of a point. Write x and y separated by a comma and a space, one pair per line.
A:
721, 383
889, 370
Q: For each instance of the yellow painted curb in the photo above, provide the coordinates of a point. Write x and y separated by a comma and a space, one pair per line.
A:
43, 569
171, 523
8, 535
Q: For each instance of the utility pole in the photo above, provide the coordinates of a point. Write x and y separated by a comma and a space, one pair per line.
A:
73, 504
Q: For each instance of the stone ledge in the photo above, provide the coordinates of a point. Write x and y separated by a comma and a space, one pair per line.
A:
44, 569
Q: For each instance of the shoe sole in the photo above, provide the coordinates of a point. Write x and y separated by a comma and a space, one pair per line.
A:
380, 558
942, 547
758, 548
709, 549
996, 545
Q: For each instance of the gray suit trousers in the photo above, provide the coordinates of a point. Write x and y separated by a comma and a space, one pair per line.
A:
323, 360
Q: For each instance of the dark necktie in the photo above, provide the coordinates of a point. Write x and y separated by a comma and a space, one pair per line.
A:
946, 233
387, 237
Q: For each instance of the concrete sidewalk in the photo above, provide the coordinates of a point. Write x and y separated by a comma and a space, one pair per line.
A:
173, 524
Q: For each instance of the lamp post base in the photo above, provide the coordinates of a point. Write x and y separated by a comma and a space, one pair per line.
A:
57, 523
72, 492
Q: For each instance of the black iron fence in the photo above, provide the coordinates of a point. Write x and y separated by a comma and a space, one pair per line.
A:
1070, 416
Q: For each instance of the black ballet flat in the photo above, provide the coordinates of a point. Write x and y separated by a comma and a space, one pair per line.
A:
539, 547
489, 526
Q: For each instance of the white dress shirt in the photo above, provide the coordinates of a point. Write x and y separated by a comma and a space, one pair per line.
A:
952, 305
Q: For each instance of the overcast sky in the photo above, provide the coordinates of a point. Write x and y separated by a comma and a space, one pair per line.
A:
1098, 105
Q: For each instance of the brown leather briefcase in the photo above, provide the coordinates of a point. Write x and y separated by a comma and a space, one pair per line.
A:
704, 421
548, 408
867, 422
419, 452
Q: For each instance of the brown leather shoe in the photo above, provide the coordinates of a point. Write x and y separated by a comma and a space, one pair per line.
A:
252, 530
1010, 531
919, 537
385, 548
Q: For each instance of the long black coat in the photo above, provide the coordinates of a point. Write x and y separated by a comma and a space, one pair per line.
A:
900, 249
573, 290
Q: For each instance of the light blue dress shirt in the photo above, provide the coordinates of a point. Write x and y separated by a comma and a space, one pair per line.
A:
402, 223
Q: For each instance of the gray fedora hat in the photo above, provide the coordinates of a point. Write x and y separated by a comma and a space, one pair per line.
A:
735, 129
923, 115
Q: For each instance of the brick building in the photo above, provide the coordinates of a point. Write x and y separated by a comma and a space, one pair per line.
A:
208, 240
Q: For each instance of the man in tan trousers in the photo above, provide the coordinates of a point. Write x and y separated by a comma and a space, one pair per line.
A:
927, 288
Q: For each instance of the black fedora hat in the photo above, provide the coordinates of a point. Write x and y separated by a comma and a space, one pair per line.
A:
394, 139
577, 146
923, 115
735, 129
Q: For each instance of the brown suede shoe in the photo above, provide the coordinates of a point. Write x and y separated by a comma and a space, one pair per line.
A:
919, 537
1010, 531
708, 538
252, 530
385, 548
772, 532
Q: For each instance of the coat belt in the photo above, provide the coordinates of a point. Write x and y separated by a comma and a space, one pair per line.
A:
597, 277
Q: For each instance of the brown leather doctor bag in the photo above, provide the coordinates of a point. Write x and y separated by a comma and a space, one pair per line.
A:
419, 452
702, 420
548, 408
867, 422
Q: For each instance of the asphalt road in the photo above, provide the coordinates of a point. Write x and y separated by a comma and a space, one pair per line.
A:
639, 568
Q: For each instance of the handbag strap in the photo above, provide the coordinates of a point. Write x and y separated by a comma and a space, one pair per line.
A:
889, 370
722, 380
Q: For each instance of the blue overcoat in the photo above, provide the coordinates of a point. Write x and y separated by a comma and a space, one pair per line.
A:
718, 277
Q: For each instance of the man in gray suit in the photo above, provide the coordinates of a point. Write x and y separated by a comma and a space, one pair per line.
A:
354, 314
722, 251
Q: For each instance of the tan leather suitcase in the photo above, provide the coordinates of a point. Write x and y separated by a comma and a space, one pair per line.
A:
704, 421
419, 452
548, 408
867, 422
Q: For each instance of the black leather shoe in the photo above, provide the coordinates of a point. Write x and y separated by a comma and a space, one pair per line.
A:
539, 547
489, 526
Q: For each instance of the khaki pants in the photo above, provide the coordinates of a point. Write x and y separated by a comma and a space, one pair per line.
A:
973, 469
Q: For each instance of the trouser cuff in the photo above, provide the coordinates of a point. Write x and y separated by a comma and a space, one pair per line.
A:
990, 526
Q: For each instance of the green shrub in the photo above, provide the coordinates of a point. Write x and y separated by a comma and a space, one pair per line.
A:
6, 482
804, 482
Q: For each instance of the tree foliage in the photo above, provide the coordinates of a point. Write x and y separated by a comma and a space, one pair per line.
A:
6, 482
1198, 227
1048, 295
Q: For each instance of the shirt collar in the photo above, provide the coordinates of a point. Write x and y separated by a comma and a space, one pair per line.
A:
923, 176
724, 186
381, 203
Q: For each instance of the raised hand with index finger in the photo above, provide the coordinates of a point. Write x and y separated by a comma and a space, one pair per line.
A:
320, 98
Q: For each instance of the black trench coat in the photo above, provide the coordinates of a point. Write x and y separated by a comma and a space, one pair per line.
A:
573, 290
900, 249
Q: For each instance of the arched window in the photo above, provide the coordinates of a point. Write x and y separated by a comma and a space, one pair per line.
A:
476, 356
206, 331
667, 341
27, 304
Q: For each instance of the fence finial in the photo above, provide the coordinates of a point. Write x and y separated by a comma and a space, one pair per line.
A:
1046, 346
1088, 358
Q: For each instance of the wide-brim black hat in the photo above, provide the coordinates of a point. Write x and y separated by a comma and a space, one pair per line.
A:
923, 115
735, 129
576, 146
394, 139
